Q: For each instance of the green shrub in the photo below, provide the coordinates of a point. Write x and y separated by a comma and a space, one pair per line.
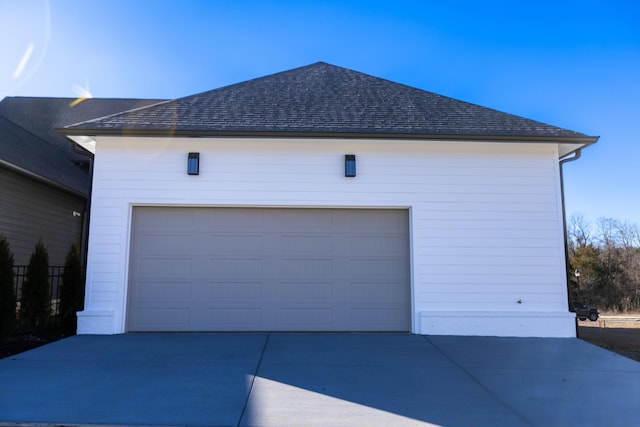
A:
7, 291
35, 307
72, 289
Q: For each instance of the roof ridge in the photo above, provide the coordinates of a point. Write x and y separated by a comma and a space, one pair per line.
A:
29, 131
253, 79
72, 98
121, 112
64, 181
168, 101
449, 98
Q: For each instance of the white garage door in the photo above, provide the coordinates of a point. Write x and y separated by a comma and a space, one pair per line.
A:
227, 269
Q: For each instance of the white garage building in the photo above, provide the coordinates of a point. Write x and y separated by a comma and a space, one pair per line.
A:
324, 199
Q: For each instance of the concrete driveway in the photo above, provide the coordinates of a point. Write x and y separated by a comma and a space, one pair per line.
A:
319, 380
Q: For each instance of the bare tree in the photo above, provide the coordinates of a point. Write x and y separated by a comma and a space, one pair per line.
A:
608, 258
579, 230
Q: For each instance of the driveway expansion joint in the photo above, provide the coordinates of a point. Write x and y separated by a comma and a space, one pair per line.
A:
253, 379
478, 382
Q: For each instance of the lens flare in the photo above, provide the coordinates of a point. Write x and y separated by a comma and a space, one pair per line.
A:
29, 25
83, 93
23, 62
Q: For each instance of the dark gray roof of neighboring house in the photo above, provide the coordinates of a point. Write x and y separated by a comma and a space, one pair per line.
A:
322, 99
29, 142
27, 153
41, 116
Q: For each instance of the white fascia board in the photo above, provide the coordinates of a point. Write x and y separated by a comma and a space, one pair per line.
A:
86, 142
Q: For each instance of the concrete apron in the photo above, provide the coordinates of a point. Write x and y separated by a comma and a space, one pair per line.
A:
318, 379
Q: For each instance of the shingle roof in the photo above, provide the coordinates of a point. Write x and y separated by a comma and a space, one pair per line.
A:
41, 116
27, 152
28, 139
321, 99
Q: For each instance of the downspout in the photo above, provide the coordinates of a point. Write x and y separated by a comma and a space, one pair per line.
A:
576, 155
84, 245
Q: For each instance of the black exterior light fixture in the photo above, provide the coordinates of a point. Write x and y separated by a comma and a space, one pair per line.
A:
193, 164
349, 165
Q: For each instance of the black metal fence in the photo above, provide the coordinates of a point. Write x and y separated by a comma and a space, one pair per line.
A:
55, 283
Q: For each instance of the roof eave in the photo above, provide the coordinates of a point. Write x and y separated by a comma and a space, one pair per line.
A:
42, 179
580, 140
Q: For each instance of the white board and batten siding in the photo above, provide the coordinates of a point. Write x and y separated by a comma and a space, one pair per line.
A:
485, 219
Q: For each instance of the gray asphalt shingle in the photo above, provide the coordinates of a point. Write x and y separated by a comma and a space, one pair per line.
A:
321, 99
29, 141
26, 151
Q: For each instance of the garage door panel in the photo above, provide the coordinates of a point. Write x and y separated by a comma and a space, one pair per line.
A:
381, 245
236, 267
181, 267
299, 318
377, 267
170, 317
380, 316
168, 218
296, 291
241, 219
225, 244
158, 243
245, 291
378, 291
163, 290
307, 243
316, 221
229, 318
382, 221
306, 267
223, 269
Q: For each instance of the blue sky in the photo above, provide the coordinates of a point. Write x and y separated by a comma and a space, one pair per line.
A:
573, 64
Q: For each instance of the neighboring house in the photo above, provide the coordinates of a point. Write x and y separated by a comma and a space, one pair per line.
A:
44, 182
449, 222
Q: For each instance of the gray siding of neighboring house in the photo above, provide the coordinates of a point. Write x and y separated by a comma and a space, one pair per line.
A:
30, 209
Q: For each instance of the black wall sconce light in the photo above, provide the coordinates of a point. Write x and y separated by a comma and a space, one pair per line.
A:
349, 165
193, 164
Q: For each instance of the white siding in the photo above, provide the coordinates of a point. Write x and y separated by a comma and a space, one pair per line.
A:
486, 217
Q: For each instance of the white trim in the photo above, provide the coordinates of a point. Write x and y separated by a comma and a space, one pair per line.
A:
499, 323
100, 322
